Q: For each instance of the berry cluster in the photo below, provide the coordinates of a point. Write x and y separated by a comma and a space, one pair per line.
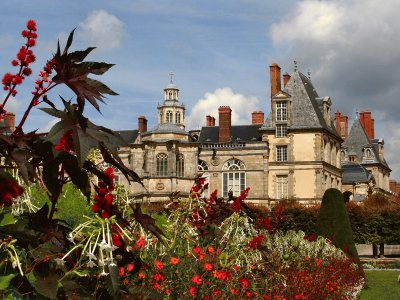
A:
40, 87
103, 201
9, 189
24, 58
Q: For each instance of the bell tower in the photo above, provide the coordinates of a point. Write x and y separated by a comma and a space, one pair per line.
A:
171, 111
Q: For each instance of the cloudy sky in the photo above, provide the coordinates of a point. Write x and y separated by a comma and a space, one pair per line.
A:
219, 52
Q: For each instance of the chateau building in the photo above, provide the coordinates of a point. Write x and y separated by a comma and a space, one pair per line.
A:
295, 153
365, 170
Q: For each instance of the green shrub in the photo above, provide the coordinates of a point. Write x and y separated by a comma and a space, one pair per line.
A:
333, 222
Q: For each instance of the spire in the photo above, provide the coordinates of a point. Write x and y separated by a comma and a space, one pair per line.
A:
171, 74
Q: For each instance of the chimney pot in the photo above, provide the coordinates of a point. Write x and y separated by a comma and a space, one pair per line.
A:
367, 123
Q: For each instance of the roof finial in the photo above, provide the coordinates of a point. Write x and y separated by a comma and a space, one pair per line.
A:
171, 74
295, 65
309, 74
357, 114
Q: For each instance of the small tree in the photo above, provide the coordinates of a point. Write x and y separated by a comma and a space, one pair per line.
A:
334, 224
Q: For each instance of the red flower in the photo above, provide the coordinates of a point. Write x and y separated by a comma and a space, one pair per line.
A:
121, 271
244, 282
174, 260
141, 243
217, 293
208, 266
197, 279
66, 142
130, 267
9, 189
159, 265
256, 241
31, 25
192, 291
7, 79
158, 277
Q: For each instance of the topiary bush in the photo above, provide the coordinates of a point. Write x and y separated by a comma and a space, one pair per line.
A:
333, 222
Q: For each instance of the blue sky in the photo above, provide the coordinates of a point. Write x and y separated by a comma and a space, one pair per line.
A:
220, 52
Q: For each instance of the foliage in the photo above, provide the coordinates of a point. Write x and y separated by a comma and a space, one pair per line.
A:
333, 222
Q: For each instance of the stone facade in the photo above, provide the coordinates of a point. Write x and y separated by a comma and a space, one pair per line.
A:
296, 153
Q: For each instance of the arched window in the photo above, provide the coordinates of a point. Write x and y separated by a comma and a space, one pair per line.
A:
180, 165
170, 95
177, 117
169, 116
202, 168
162, 164
233, 177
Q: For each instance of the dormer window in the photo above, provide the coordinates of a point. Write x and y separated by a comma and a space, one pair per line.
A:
281, 111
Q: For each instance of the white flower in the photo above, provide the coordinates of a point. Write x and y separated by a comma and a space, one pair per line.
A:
91, 256
91, 264
60, 261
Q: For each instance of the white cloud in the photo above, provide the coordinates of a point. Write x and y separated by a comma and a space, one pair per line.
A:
12, 104
103, 30
241, 106
49, 125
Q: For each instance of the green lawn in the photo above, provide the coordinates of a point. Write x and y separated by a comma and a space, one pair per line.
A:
381, 285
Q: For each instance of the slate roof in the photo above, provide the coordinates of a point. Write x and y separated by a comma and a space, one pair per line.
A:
166, 128
353, 172
358, 139
306, 105
243, 133
129, 136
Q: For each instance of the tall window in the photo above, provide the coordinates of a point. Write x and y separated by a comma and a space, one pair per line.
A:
177, 117
281, 130
282, 153
281, 187
233, 177
180, 165
281, 111
202, 168
169, 116
162, 164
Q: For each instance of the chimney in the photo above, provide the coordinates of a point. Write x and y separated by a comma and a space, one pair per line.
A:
208, 120
286, 78
367, 123
142, 124
212, 121
257, 117
373, 128
225, 128
275, 74
9, 118
342, 124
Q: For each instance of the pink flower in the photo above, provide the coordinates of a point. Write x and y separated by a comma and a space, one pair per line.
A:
197, 279
159, 265
192, 291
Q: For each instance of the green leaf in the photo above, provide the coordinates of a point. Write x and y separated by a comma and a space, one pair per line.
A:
53, 112
81, 145
57, 131
6, 219
5, 281
79, 56
97, 68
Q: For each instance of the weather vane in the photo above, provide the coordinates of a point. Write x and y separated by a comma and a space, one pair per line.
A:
295, 65
171, 74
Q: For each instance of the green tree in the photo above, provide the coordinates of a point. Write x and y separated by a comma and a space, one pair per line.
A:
333, 222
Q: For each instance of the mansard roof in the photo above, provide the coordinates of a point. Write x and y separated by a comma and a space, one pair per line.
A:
242, 133
357, 140
307, 106
166, 128
353, 172
129, 136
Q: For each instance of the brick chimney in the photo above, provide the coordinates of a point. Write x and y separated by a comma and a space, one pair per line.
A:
225, 128
286, 78
275, 74
257, 117
9, 118
142, 124
342, 125
367, 123
212, 121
